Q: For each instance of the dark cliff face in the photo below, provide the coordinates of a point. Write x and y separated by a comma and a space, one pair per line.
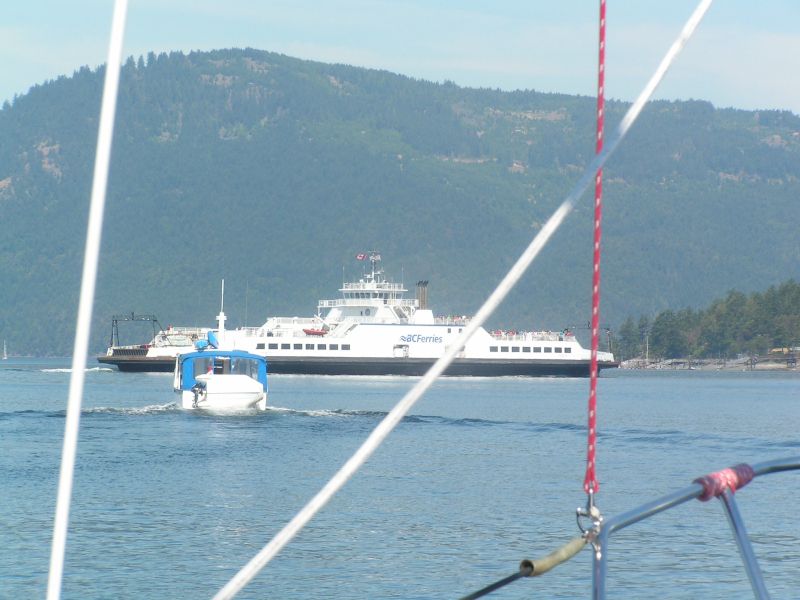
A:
272, 173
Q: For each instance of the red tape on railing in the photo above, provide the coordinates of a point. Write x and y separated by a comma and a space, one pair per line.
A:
732, 479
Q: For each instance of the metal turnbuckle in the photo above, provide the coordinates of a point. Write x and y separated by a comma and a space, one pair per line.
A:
592, 513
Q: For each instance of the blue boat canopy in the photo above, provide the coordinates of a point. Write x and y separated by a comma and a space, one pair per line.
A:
220, 362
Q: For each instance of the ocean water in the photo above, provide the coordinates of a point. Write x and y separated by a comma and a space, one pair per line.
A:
484, 472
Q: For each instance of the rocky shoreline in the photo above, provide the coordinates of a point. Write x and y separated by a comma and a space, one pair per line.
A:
714, 364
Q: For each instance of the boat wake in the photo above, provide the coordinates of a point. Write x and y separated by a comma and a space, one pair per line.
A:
326, 412
429, 419
99, 410
87, 370
133, 410
667, 437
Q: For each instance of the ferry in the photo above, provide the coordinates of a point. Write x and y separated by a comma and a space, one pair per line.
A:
373, 329
157, 355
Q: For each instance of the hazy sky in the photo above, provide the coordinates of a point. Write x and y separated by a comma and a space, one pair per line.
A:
746, 54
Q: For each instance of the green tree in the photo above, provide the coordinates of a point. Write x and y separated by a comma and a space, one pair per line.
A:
667, 339
629, 342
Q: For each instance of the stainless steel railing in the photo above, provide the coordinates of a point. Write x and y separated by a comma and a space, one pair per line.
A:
695, 490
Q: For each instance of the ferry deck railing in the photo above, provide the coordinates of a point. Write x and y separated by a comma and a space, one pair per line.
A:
533, 336
455, 321
373, 286
289, 322
697, 489
177, 335
402, 302
250, 331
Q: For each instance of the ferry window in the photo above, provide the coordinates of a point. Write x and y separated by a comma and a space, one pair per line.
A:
449, 330
492, 348
322, 346
345, 346
526, 348
537, 348
260, 346
460, 329
273, 346
298, 346
334, 346
309, 346
558, 349
515, 348
285, 346
548, 349
503, 348
567, 350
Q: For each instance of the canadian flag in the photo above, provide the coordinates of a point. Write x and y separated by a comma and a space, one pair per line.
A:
361, 256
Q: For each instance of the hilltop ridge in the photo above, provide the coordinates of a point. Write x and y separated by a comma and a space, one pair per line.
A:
272, 172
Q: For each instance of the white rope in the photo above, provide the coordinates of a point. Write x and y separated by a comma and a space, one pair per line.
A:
92, 250
687, 32
268, 552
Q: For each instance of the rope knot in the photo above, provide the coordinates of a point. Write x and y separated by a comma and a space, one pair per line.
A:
732, 478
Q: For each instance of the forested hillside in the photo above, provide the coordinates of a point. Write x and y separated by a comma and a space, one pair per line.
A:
738, 324
272, 173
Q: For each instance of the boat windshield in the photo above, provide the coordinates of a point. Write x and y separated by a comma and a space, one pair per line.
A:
221, 365
245, 366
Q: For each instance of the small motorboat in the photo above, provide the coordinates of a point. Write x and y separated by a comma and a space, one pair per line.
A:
214, 379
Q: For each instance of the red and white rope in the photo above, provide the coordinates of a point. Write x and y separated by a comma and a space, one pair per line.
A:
260, 560
590, 483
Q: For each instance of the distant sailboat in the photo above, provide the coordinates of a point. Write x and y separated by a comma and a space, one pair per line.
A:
5, 351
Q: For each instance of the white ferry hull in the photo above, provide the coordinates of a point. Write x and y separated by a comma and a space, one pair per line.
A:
461, 367
373, 330
139, 364
360, 365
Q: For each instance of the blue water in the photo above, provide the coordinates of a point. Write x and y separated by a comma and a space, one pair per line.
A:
483, 473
